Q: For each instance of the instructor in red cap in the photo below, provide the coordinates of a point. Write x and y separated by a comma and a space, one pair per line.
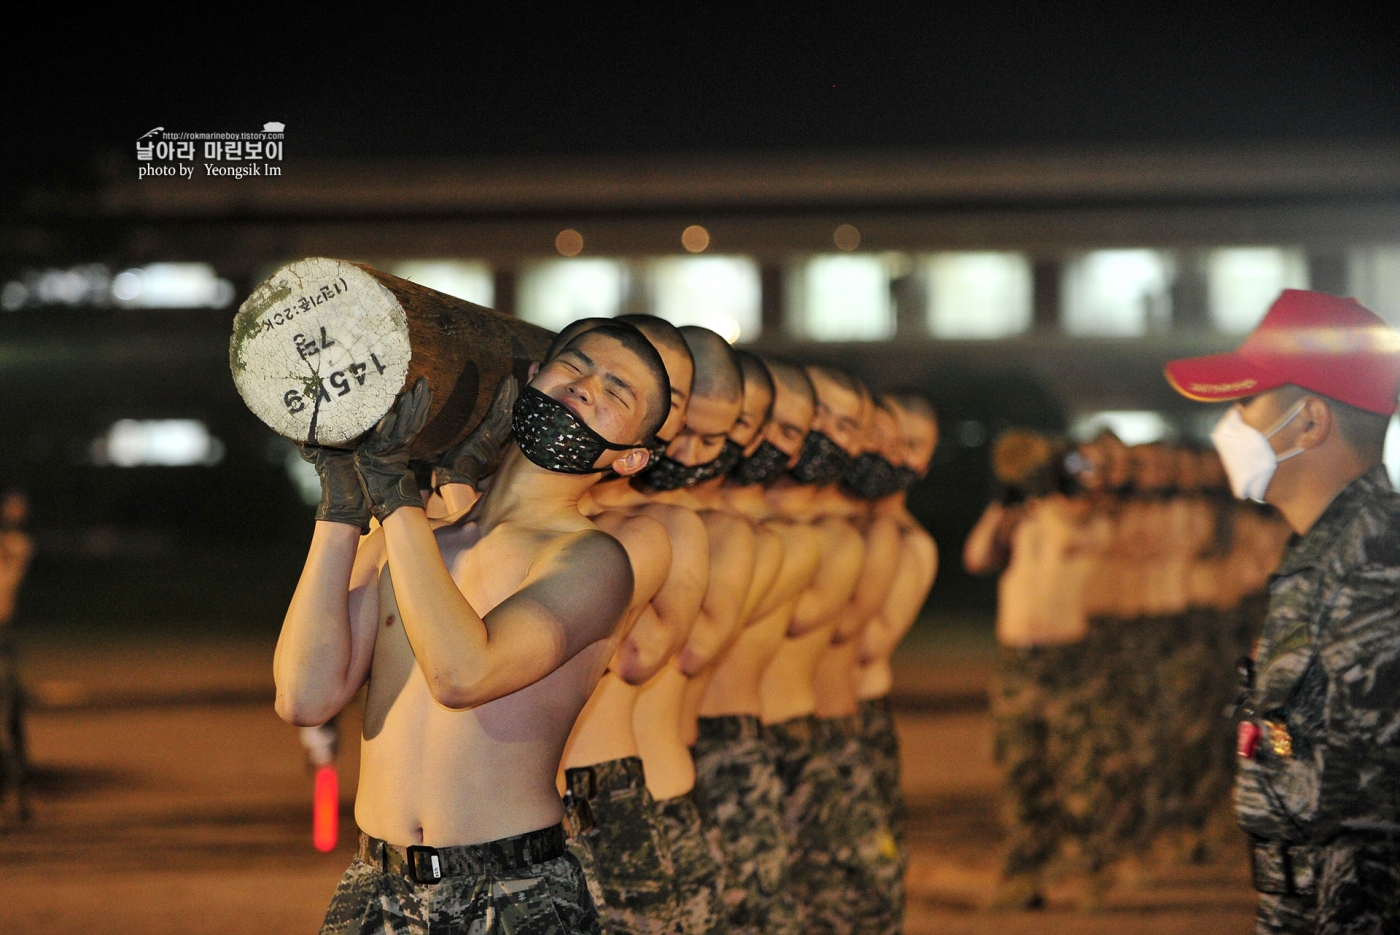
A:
1318, 787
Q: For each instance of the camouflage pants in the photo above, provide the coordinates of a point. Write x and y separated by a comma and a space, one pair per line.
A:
487, 889
699, 863
881, 749
614, 834
1025, 692
825, 872
1102, 751
867, 850
1355, 888
738, 792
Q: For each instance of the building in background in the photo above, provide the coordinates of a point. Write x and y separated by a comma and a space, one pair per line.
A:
1038, 288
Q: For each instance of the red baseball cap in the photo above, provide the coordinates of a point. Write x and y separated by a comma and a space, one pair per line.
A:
1329, 345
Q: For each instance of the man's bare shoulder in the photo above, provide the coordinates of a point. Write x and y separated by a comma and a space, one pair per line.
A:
642, 535
584, 578
678, 520
727, 523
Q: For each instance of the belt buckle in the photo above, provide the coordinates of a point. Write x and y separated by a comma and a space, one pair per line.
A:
428, 860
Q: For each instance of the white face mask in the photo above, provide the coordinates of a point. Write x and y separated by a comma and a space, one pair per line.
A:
1248, 457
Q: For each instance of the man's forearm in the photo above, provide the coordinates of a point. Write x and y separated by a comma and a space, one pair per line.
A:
448, 636
314, 650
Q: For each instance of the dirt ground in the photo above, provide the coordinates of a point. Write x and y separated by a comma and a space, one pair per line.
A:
170, 799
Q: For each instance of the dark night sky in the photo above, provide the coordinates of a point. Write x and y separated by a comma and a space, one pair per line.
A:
469, 82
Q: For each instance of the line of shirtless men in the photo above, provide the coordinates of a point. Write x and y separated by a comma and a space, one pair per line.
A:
1131, 582
627, 664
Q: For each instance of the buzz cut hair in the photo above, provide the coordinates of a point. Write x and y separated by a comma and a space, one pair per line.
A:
566, 335
658, 396
1363, 431
717, 373
910, 401
842, 378
659, 332
755, 372
793, 378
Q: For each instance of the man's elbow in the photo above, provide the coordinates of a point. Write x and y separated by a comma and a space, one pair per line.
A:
458, 689
300, 711
457, 694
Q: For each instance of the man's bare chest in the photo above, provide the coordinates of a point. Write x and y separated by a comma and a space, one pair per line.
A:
489, 568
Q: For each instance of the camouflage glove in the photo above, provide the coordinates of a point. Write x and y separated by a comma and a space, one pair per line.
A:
382, 458
475, 456
342, 496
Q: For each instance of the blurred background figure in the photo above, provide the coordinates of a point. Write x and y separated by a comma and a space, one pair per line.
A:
1130, 584
15, 550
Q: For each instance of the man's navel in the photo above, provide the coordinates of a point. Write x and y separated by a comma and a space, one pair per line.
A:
389, 621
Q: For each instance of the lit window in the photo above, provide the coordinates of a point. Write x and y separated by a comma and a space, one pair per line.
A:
159, 443
841, 298
721, 293
172, 285
1118, 293
1374, 278
556, 292
79, 285
1392, 451
466, 279
1133, 427
1242, 282
977, 295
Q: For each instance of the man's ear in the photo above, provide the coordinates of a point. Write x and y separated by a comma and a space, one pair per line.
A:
632, 461
532, 370
1317, 423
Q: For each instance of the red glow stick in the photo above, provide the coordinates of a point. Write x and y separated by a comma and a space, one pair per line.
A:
325, 822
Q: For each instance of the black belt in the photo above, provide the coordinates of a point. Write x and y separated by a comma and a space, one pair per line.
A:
433, 864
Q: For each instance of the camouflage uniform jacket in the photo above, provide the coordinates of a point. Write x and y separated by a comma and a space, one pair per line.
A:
1325, 694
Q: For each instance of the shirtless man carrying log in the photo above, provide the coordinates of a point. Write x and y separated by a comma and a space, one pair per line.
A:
653, 718
737, 787
610, 815
801, 741
480, 643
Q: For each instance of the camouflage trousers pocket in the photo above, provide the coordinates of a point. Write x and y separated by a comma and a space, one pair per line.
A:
1281, 870
521, 907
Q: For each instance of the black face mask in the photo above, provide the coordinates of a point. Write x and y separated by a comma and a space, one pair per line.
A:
822, 461
904, 477
764, 466
666, 473
870, 477
554, 438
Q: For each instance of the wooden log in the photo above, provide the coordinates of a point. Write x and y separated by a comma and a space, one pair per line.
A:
320, 350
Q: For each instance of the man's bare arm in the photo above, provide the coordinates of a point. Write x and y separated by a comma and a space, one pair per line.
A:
576, 595
645, 642
767, 563
985, 551
327, 639
881, 561
801, 556
731, 542
918, 566
836, 577
677, 603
